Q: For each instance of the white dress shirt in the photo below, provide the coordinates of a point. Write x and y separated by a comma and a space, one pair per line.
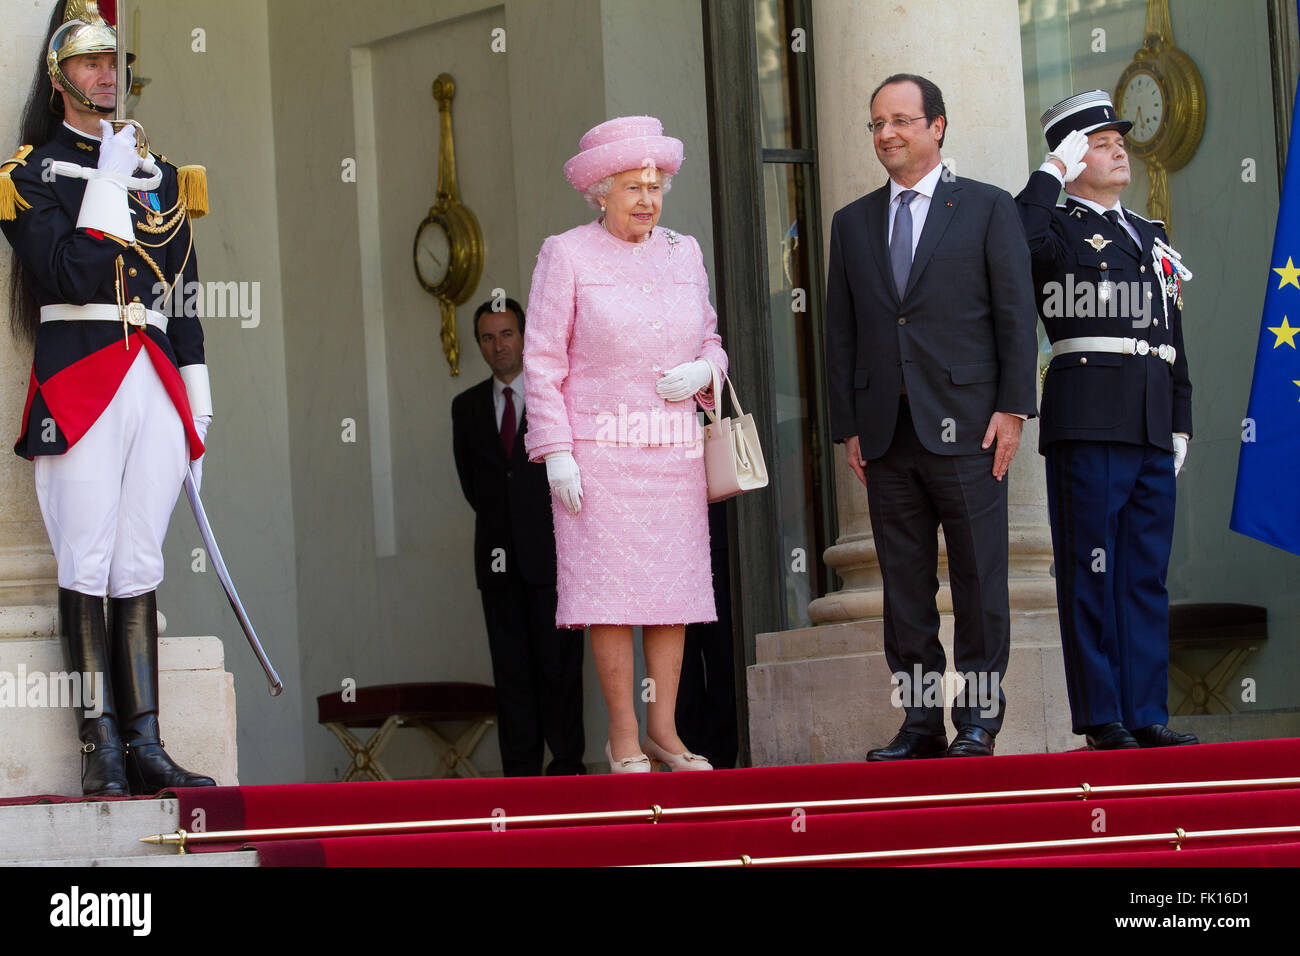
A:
920, 204
516, 393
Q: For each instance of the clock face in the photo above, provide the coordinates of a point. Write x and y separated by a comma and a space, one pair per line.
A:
432, 254
1143, 105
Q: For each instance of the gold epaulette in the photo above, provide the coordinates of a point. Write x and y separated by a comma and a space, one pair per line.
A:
192, 183
10, 202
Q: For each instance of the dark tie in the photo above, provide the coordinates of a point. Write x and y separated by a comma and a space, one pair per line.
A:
900, 243
1112, 216
508, 421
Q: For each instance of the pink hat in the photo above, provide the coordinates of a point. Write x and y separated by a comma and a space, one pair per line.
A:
625, 142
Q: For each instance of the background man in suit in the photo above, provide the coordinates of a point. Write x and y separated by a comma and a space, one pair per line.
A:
1117, 415
931, 356
537, 668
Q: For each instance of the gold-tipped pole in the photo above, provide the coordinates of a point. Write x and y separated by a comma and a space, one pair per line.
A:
657, 813
1178, 834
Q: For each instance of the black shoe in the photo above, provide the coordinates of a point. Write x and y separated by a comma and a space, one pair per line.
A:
133, 636
1111, 736
1158, 735
972, 741
909, 746
103, 758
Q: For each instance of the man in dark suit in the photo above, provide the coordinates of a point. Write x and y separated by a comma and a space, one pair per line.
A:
931, 355
1117, 416
537, 668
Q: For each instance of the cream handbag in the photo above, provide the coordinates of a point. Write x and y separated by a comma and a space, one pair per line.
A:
733, 459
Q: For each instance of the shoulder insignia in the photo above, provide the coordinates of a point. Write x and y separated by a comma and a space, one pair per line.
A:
10, 202
192, 183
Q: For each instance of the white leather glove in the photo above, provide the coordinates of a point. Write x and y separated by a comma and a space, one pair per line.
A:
201, 424
1180, 452
103, 204
117, 150
685, 380
562, 475
1070, 152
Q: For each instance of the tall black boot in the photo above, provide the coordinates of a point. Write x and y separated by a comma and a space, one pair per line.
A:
103, 758
133, 636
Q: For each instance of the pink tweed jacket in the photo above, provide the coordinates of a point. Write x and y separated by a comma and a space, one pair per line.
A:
606, 318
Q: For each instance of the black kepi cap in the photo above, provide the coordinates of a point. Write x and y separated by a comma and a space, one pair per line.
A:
1086, 112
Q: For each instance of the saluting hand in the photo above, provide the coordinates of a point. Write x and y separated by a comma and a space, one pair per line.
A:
1069, 154
1005, 428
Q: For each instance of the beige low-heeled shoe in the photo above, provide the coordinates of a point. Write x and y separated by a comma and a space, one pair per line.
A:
638, 764
682, 761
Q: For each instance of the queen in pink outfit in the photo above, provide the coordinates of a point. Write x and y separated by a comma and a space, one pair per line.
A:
618, 353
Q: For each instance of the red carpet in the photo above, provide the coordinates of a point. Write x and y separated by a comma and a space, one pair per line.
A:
784, 831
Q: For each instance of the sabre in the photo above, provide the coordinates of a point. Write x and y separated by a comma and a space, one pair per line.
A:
210, 542
124, 90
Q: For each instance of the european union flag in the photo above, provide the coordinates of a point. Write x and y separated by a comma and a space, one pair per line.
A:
1265, 505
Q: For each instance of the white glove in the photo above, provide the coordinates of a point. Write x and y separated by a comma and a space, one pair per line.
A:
1070, 152
117, 150
685, 380
201, 424
562, 474
103, 204
1180, 452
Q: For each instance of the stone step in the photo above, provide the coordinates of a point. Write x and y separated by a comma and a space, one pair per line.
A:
39, 750
108, 829
235, 858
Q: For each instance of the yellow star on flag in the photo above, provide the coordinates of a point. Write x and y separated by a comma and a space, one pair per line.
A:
1294, 382
1289, 273
1284, 332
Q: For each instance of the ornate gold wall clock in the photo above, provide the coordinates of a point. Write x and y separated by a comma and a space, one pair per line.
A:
1161, 93
448, 249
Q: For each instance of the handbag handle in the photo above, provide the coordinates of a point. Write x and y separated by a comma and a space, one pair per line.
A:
717, 393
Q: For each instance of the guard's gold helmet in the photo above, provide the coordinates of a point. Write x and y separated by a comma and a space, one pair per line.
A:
83, 30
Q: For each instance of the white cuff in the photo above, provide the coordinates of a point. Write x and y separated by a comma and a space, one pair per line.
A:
1050, 167
104, 208
195, 378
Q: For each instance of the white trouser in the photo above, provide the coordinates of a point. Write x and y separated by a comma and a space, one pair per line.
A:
108, 499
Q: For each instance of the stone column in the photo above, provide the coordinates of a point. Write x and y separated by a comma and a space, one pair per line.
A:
28, 579
972, 52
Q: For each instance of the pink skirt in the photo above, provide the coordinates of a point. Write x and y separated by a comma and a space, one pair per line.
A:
638, 551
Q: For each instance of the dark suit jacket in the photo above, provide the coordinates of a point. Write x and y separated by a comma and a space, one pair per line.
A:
1121, 398
961, 341
511, 499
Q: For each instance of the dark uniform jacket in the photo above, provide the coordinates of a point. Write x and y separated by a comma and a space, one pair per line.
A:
1099, 396
960, 340
510, 497
79, 365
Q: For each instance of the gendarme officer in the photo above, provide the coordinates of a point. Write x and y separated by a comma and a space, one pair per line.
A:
118, 402
1115, 421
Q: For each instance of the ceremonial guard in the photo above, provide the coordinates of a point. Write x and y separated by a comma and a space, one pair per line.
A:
1115, 421
118, 402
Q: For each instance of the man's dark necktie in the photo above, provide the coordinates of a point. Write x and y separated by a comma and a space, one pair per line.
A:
1112, 216
900, 243
508, 421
